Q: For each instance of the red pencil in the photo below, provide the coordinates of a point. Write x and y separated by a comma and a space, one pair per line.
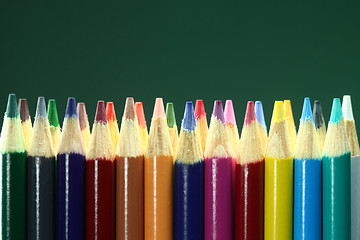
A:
100, 180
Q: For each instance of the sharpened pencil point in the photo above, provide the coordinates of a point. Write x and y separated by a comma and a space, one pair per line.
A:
23, 109
139, 108
347, 108
218, 111
336, 113
159, 108
317, 114
110, 111
250, 113
71, 108
199, 109
129, 111
189, 122
260, 114
229, 112
170, 115
12, 109
41, 108
306, 111
100, 115
278, 112
52, 113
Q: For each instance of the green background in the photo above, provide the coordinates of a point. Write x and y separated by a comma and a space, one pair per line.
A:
181, 50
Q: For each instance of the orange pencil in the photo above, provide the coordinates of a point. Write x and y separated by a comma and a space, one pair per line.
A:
159, 178
142, 123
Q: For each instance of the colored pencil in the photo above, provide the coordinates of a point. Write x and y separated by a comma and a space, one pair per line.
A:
25, 121
142, 123
262, 124
171, 122
159, 178
307, 179
278, 211
319, 124
113, 124
100, 180
231, 127
355, 166
41, 178
218, 211
336, 195
189, 181
84, 124
129, 177
70, 199
249, 198
201, 123
13, 181
290, 123
55, 129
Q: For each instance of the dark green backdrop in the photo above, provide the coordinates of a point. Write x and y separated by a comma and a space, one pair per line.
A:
181, 50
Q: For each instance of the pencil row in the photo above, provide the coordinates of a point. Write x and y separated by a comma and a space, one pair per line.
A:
202, 183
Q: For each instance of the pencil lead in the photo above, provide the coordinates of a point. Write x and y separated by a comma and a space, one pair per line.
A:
41, 108
306, 112
170, 115
229, 112
347, 108
336, 113
100, 115
199, 109
129, 111
159, 108
259, 112
250, 113
52, 113
218, 111
278, 112
189, 122
71, 108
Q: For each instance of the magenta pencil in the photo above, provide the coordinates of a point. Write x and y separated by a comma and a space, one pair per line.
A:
218, 179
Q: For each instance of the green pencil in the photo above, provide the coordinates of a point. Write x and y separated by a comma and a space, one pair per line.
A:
336, 178
54, 124
13, 156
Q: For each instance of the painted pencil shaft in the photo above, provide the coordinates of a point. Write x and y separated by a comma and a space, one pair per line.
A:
70, 198
355, 197
249, 197
13, 164
307, 179
158, 172
218, 208
100, 180
189, 182
278, 212
41, 179
129, 178
336, 178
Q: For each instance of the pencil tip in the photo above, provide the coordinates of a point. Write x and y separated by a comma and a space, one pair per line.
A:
129, 111
288, 109
83, 118
52, 113
317, 114
306, 111
199, 109
41, 108
23, 109
218, 111
159, 108
100, 115
229, 112
12, 108
110, 111
189, 122
250, 113
347, 108
71, 108
336, 113
139, 108
170, 115
278, 112
259, 112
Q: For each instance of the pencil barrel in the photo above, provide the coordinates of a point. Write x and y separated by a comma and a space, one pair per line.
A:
278, 212
307, 199
188, 201
70, 200
158, 197
355, 197
336, 197
129, 198
218, 212
100, 199
40, 198
13, 205
249, 201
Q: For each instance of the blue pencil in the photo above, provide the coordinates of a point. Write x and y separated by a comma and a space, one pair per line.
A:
189, 181
307, 179
70, 197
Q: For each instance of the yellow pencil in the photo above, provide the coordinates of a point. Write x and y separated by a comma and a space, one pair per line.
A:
290, 123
